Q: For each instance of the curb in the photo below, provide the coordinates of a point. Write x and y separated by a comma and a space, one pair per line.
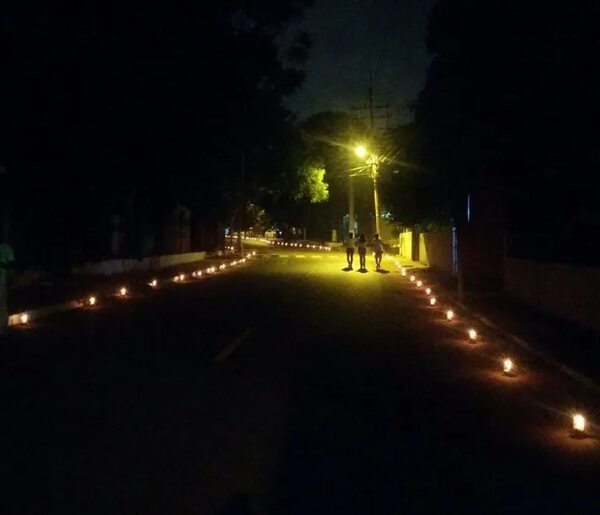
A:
37, 313
52, 309
582, 378
517, 340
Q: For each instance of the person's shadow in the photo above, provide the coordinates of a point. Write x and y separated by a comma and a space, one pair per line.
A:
347, 269
382, 271
362, 270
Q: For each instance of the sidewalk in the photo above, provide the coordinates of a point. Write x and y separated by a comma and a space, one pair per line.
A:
563, 342
61, 289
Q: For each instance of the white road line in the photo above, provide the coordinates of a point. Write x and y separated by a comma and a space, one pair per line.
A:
231, 348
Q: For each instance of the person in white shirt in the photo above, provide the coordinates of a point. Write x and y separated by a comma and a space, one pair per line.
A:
349, 244
377, 246
362, 251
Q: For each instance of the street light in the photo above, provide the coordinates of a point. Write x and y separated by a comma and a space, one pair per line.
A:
373, 161
361, 151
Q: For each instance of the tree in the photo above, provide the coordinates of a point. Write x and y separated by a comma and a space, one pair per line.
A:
509, 103
132, 109
311, 184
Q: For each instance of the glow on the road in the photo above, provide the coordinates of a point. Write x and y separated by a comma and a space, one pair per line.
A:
508, 365
24, 318
450, 314
472, 334
579, 422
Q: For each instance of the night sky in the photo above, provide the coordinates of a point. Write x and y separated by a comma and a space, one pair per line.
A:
342, 32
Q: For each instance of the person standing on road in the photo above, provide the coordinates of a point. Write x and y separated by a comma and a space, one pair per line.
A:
362, 251
377, 246
349, 243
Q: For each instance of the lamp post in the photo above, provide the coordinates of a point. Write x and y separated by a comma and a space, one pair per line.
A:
373, 161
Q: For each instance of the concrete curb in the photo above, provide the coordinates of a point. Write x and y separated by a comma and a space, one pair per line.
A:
52, 309
37, 313
531, 348
517, 340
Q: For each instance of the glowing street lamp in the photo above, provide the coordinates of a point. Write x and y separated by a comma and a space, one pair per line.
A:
361, 151
578, 423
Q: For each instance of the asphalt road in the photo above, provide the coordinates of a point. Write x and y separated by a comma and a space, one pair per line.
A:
286, 387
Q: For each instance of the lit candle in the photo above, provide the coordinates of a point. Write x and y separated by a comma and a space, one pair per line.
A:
472, 334
449, 314
413, 278
123, 291
92, 301
24, 318
432, 301
579, 423
428, 291
507, 365
419, 284
153, 283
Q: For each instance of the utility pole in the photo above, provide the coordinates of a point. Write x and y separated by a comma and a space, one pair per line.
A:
374, 172
242, 209
372, 110
351, 219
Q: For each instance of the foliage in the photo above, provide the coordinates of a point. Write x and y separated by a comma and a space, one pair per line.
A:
311, 184
128, 108
508, 105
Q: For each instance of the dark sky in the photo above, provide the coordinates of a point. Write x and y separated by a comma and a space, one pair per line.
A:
342, 32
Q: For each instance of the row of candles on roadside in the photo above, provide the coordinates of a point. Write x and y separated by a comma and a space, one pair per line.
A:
299, 245
508, 365
123, 291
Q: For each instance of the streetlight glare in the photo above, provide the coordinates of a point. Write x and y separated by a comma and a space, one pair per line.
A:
361, 151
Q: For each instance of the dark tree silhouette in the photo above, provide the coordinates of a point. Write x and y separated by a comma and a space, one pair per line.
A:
119, 107
511, 101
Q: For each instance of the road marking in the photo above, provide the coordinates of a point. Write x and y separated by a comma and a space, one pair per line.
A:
231, 348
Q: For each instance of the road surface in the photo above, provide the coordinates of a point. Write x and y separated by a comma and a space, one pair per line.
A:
289, 386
